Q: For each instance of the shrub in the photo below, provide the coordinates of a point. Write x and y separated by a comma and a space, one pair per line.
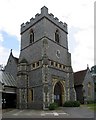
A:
71, 104
91, 102
53, 106
76, 104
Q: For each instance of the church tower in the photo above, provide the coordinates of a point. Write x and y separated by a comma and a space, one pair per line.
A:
45, 73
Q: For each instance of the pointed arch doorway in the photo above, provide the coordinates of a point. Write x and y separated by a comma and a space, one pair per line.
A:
58, 93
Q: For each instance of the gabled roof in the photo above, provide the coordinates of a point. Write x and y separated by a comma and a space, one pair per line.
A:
79, 77
7, 79
16, 59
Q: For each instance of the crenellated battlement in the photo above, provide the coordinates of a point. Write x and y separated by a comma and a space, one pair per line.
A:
44, 13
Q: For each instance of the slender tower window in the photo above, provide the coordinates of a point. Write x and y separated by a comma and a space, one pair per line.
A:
57, 36
31, 36
30, 95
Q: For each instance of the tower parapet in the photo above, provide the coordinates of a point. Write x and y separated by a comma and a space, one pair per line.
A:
38, 17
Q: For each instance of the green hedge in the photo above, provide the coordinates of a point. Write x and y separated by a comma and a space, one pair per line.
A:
91, 102
53, 106
72, 104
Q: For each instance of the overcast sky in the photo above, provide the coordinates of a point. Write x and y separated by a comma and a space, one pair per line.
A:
78, 14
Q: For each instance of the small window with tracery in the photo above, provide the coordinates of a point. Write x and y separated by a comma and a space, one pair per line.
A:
89, 89
31, 36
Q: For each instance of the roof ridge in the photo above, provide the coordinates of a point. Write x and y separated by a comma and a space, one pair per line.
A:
81, 71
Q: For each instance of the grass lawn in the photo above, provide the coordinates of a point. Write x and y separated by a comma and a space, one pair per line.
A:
92, 106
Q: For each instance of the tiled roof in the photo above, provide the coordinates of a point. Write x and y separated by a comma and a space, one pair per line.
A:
23, 61
7, 79
79, 77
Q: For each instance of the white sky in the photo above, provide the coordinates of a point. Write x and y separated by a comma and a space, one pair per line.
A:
78, 14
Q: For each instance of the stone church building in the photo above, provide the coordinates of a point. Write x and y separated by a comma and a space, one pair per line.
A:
44, 73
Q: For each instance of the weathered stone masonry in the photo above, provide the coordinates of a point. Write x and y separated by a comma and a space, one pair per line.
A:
45, 73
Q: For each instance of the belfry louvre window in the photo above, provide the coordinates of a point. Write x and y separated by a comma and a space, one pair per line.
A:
31, 36
57, 36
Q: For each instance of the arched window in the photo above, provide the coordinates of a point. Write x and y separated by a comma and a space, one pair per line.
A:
31, 36
57, 36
